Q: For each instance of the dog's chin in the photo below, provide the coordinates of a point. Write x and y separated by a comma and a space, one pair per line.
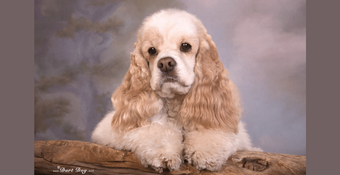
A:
171, 87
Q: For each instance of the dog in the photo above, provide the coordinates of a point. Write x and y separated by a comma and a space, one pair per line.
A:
176, 101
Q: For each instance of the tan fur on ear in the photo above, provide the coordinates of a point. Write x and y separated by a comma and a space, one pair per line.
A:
210, 103
134, 101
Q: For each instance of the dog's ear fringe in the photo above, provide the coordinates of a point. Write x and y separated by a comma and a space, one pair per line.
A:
210, 103
134, 101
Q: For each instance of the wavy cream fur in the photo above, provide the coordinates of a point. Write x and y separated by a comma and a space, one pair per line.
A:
194, 117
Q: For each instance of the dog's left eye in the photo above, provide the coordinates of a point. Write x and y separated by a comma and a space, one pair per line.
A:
185, 47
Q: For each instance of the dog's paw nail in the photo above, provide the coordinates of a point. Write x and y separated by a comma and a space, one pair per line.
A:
158, 169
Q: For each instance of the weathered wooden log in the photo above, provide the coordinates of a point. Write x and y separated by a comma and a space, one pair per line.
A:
77, 157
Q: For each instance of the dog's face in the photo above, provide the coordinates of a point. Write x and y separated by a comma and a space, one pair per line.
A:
170, 45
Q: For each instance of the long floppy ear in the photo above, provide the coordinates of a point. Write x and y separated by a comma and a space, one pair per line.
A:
134, 101
210, 103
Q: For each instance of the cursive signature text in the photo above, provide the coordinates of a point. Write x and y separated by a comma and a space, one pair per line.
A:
77, 170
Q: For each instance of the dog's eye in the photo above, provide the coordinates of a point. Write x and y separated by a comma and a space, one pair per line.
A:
152, 51
185, 47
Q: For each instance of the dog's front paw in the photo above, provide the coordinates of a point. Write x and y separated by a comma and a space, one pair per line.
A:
157, 145
159, 161
208, 149
204, 160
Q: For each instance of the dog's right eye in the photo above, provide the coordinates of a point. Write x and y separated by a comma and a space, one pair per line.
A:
152, 51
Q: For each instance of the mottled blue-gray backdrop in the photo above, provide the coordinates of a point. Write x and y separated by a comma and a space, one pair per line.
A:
82, 51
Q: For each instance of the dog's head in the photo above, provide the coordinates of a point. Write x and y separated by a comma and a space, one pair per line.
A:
174, 55
169, 42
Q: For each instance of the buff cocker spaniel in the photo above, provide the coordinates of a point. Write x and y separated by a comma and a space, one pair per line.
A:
176, 101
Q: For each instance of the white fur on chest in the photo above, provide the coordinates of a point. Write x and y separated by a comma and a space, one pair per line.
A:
169, 112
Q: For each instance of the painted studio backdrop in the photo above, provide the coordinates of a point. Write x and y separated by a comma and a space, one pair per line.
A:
82, 52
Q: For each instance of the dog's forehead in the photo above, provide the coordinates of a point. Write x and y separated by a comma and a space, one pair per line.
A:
171, 23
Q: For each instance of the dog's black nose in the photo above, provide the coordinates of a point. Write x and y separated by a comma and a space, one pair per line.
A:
166, 64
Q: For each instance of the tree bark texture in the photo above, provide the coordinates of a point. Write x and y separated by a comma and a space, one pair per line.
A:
78, 157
